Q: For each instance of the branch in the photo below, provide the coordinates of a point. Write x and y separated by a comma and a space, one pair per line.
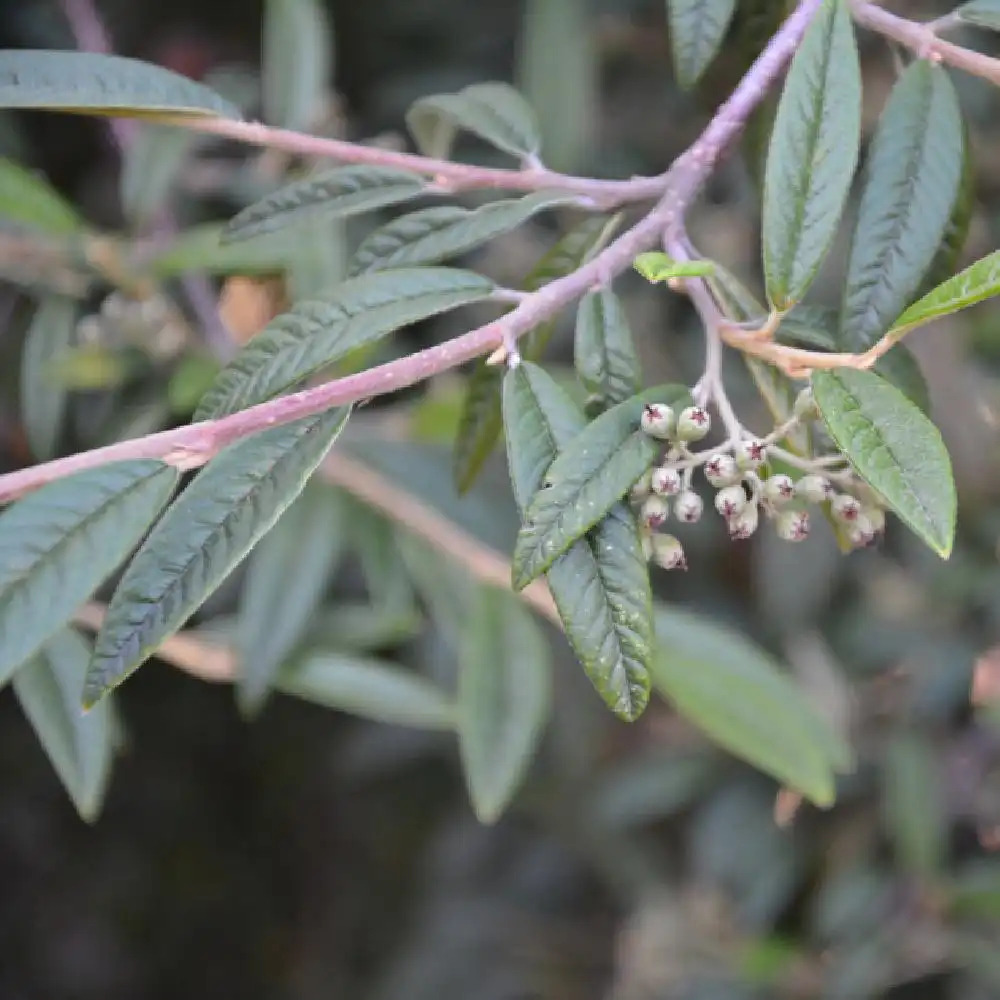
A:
192, 446
924, 41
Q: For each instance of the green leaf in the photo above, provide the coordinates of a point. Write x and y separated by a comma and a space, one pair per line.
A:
913, 806
285, 582
200, 249
913, 174
432, 235
900, 368
697, 29
603, 349
297, 62
810, 326
43, 399
57, 546
504, 695
28, 199
982, 13
201, 539
495, 112
732, 690
363, 628
481, 419
80, 746
151, 166
813, 154
600, 585
88, 83
656, 266
977, 282
335, 194
586, 480
370, 689
894, 448
315, 334
975, 890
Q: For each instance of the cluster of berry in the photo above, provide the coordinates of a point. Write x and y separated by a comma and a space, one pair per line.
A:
746, 489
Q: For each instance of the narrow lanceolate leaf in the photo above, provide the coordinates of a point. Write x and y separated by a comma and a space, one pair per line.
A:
912, 178
504, 694
335, 194
88, 83
315, 334
813, 154
746, 703
601, 583
27, 199
656, 266
894, 448
481, 419
201, 249
982, 13
43, 399
977, 282
285, 582
296, 62
80, 746
369, 688
201, 539
57, 546
603, 349
901, 368
495, 112
432, 235
697, 28
589, 477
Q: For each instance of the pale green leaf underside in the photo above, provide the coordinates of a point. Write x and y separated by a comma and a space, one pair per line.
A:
603, 350
894, 448
90, 83
370, 689
315, 334
335, 194
813, 154
28, 199
982, 13
201, 539
495, 112
656, 266
57, 546
734, 692
80, 746
504, 694
697, 30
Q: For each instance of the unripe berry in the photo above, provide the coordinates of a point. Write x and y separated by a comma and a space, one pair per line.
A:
751, 454
658, 420
689, 507
814, 489
668, 553
744, 524
655, 512
720, 470
693, 423
778, 490
877, 517
861, 532
666, 481
731, 501
793, 525
805, 405
845, 508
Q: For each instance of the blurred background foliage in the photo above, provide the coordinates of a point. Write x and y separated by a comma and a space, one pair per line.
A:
307, 854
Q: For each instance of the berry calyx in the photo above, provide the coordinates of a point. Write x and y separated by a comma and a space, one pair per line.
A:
658, 420
845, 508
666, 481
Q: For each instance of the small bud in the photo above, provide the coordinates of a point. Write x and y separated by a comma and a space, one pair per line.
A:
793, 525
778, 490
845, 508
805, 405
814, 489
744, 524
668, 553
666, 481
689, 507
658, 420
731, 501
877, 517
655, 512
861, 532
693, 423
751, 454
720, 470
640, 489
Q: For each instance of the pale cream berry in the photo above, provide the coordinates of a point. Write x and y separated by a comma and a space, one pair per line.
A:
666, 481
668, 553
814, 489
778, 490
877, 517
744, 525
721, 470
693, 423
751, 454
655, 512
845, 508
793, 525
731, 501
689, 507
658, 420
861, 532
